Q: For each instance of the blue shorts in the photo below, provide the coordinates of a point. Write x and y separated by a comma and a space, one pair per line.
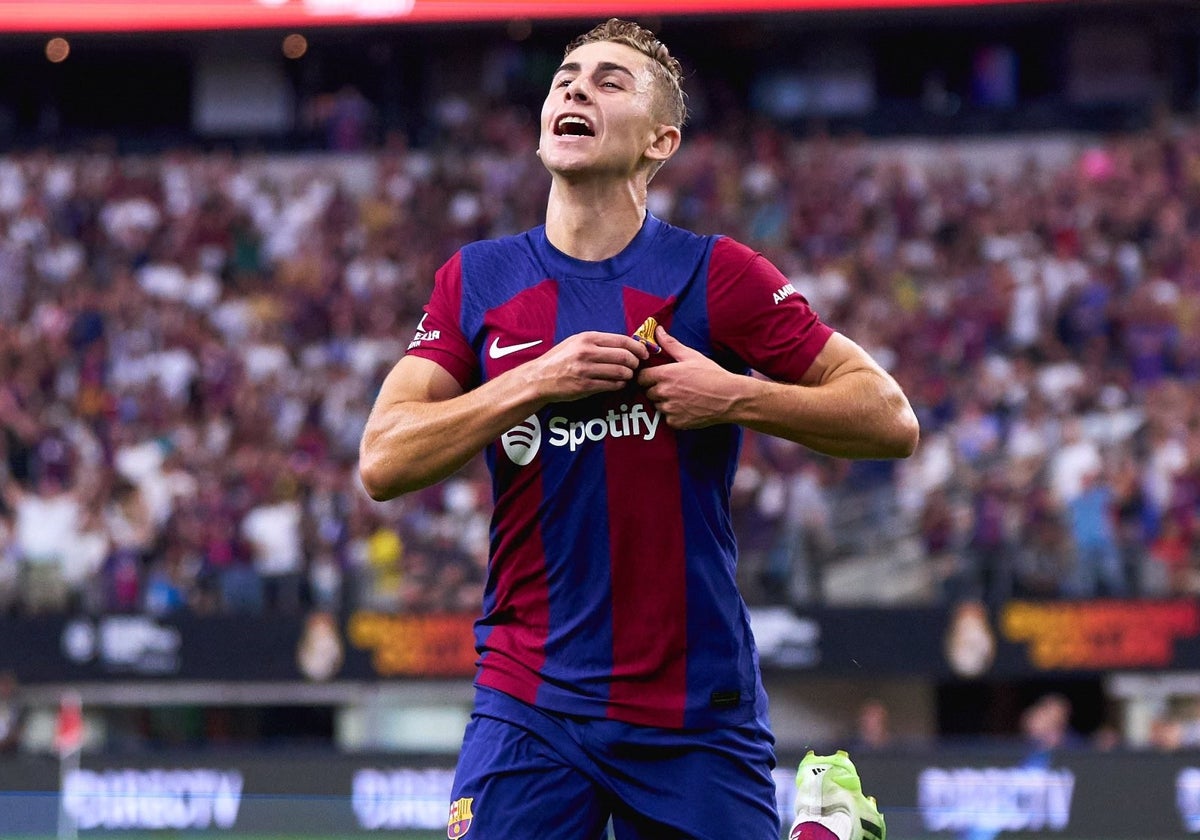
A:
528, 774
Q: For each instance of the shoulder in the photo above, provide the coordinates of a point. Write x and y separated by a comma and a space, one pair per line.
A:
673, 250
731, 258
668, 235
489, 256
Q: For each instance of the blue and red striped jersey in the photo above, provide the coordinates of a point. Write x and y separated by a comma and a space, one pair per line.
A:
611, 583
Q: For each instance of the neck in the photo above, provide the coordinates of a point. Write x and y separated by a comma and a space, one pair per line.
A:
594, 221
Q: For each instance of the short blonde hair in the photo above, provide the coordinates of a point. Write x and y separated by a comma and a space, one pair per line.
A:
668, 74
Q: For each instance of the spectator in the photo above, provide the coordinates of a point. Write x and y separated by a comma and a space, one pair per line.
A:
1098, 565
939, 532
809, 518
873, 729
12, 713
272, 529
1166, 732
48, 519
383, 556
168, 314
1044, 558
166, 589
989, 544
10, 564
1188, 716
82, 564
1170, 567
345, 117
132, 535
1076, 458
1046, 725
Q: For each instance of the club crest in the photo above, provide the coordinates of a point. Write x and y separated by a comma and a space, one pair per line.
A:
459, 822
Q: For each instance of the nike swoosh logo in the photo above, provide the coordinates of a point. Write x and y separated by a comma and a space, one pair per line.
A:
498, 352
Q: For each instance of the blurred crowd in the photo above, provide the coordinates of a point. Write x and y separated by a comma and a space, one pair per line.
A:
190, 343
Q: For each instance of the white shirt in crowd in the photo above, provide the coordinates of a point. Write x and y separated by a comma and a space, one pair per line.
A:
273, 531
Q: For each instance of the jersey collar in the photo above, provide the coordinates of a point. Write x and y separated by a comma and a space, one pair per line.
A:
564, 267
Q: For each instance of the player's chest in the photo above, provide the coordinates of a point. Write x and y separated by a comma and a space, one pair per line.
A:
532, 322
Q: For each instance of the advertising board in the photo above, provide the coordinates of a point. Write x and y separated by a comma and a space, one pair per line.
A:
1002, 793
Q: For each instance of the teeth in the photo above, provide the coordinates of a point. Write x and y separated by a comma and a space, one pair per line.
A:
572, 120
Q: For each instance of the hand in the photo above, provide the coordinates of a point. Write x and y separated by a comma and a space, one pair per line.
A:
586, 363
694, 391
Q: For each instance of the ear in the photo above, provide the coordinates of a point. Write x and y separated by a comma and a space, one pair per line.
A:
664, 143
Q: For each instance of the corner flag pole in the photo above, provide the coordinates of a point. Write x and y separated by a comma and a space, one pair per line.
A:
68, 742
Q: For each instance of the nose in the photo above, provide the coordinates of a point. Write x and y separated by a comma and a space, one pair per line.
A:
575, 91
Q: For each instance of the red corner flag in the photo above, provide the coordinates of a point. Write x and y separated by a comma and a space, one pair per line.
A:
68, 732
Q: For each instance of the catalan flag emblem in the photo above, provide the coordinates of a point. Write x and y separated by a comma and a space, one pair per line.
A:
460, 818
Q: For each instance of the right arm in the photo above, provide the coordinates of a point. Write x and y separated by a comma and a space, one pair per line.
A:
424, 426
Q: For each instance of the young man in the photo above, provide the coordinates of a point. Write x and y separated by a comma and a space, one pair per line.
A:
617, 675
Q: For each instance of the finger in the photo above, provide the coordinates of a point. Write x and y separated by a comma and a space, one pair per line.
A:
650, 377
625, 342
658, 393
615, 356
612, 373
638, 352
598, 352
676, 348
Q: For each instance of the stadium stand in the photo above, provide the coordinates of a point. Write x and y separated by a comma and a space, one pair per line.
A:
192, 340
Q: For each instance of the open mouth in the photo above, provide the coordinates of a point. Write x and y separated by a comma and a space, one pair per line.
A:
570, 125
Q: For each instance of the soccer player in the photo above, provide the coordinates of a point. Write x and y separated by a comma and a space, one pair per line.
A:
617, 677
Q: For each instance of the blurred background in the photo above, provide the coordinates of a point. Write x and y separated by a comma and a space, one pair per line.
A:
219, 222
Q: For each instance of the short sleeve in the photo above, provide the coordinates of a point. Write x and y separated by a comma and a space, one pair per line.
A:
439, 336
756, 314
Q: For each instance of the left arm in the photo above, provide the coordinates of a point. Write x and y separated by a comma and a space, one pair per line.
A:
845, 404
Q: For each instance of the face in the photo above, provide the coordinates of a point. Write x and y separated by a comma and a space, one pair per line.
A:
599, 116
